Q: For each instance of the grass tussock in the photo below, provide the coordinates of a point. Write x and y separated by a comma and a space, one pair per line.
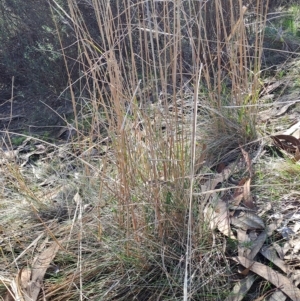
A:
163, 85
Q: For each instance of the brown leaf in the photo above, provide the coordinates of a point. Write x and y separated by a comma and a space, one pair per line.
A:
208, 188
222, 219
243, 193
220, 167
237, 197
248, 200
217, 216
272, 276
243, 240
287, 143
238, 193
247, 160
31, 281
9, 296
22, 281
246, 271
297, 154
200, 160
257, 245
271, 255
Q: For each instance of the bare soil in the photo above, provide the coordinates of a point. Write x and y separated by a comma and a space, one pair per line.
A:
34, 116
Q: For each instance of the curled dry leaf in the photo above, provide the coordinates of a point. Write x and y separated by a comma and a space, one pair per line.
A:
243, 193
248, 200
217, 217
286, 232
273, 226
31, 280
288, 143
296, 227
238, 194
267, 206
247, 160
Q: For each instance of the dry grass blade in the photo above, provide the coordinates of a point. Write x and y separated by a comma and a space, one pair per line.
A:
26, 250
11, 292
154, 85
272, 276
186, 287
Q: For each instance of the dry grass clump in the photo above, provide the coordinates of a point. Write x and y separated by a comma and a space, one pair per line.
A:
120, 241
131, 229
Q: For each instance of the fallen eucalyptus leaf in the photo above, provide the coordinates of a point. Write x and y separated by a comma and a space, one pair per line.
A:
272, 276
244, 240
241, 288
257, 245
217, 216
271, 254
31, 279
247, 221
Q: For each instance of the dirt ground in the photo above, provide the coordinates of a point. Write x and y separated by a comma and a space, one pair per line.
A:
34, 116
45, 117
